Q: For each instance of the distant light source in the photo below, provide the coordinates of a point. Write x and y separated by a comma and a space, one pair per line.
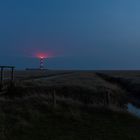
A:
42, 57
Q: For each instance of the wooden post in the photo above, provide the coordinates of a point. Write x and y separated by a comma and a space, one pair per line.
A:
54, 98
1, 79
107, 98
12, 76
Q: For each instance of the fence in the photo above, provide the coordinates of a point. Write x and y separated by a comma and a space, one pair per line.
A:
5, 80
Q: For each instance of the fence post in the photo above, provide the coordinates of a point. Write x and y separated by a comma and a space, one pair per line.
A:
107, 98
12, 76
54, 98
11, 80
1, 79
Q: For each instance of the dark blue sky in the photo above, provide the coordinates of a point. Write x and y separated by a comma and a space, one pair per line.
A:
85, 34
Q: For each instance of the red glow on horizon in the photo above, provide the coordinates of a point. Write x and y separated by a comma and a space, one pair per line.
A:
41, 55
38, 53
44, 55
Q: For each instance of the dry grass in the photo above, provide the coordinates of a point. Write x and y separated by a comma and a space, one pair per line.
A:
80, 113
84, 87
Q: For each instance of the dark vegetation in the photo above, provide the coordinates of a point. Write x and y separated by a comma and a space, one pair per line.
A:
78, 94
123, 83
77, 106
32, 117
131, 85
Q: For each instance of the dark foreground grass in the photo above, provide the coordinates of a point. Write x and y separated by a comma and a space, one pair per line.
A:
33, 119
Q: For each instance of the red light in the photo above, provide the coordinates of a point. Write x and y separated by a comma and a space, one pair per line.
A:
42, 55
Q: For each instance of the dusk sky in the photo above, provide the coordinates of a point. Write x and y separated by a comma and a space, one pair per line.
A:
79, 34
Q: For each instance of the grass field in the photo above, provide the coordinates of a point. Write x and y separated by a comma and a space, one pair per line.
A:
66, 105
